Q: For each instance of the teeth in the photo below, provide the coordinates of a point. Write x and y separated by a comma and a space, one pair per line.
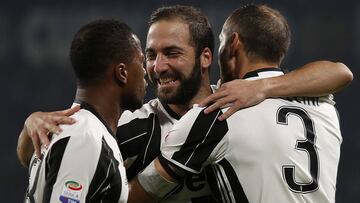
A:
165, 80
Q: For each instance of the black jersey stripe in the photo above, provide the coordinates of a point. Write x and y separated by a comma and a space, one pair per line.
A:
222, 183
170, 111
128, 136
149, 141
106, 182
140, 138
237, 189
255, 73
129, 140
52, 166
206, 132
213, 183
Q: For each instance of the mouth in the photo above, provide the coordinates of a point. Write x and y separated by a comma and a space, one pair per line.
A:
166, 81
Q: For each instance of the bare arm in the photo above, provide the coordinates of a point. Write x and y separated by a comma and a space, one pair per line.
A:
313, 79
24, 149
138, 194
36, 130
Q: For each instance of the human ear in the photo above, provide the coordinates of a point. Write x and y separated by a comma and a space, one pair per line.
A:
235, 43
206, 58
121, 73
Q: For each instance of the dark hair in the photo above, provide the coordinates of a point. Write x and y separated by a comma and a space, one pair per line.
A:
263, 30
97, 45
201, 35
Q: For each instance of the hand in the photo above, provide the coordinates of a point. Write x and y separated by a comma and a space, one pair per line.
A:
237, 94
40, 124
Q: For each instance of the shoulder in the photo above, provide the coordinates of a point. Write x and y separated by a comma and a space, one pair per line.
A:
194, 120
151, 107
87, 128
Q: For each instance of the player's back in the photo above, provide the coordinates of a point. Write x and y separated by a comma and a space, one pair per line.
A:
82, 163
285, 151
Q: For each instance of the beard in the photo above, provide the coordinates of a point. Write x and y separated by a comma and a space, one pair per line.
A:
225, 71
189, 86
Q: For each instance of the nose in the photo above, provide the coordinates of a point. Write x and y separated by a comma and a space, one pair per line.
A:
161, 63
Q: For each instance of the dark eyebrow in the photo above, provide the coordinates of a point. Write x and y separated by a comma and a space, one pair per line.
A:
147, 50
169, 48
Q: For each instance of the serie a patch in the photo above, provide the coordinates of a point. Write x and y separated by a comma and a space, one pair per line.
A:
71, 192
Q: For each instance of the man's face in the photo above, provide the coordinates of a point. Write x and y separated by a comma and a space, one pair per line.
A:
224, 57
137, 85
171, 63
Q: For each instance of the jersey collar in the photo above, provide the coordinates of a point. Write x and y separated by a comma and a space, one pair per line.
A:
173, 113
87, 106
263, 73
170, 111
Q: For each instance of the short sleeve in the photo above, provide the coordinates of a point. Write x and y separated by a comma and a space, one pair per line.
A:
70, 166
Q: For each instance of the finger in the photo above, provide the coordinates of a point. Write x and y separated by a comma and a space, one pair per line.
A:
37, 145
44, 138
227, 114
215, 96
206, 101
52, 121
63, 120
69, 111
51, 127
218, 104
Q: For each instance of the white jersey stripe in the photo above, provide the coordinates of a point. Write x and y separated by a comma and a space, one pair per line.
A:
129, 140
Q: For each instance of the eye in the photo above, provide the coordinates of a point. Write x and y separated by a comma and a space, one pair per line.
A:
172, 53
150, 56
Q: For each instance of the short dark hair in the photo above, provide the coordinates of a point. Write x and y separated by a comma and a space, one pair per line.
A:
201, 35
97, 45
264, 31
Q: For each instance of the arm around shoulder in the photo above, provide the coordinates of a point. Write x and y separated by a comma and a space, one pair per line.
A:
317, 78
24, 148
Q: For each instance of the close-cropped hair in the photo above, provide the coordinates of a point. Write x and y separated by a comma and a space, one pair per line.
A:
201, 35
97, 45
264, 32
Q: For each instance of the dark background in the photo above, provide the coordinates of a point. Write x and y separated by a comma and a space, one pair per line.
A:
36, 74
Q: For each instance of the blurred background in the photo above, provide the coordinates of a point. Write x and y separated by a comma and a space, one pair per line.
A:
36, 75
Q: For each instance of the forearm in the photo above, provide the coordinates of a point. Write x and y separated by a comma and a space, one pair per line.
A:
152, 184
24, 149
138, 194
313, 79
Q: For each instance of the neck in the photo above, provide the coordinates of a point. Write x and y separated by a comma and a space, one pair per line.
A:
104, 102
249, 66
204, 91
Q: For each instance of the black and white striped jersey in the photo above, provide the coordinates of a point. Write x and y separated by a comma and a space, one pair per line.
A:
140, 135
281, 150
82, 164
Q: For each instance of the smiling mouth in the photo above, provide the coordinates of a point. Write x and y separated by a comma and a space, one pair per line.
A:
166, 81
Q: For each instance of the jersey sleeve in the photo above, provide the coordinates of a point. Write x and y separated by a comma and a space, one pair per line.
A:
193, 141
70, 167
